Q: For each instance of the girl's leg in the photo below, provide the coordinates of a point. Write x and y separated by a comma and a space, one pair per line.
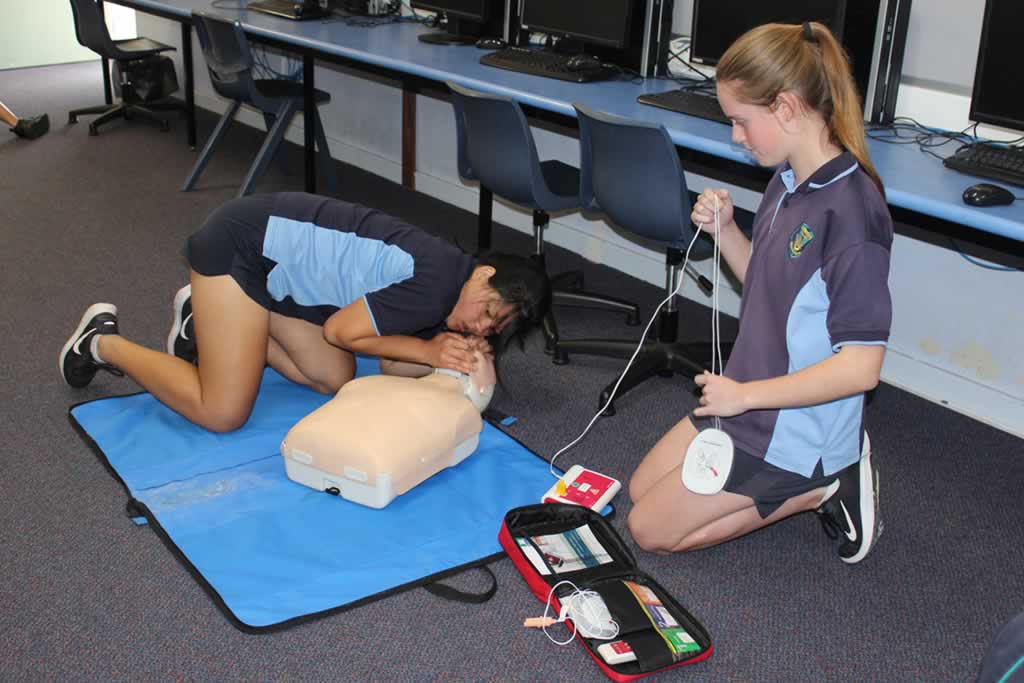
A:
297, 349
7, 116
668, 517
231, 332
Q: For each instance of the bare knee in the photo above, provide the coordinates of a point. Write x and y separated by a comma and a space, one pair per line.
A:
224, 419
647, 532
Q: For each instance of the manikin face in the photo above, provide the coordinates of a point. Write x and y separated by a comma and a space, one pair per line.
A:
480, 310
754, 126
480, 385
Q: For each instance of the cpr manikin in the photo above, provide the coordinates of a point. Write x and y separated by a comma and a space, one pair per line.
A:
382, 435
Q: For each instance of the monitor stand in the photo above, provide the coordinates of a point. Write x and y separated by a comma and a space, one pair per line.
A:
457, 33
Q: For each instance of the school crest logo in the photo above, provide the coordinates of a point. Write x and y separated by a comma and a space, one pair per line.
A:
800, 238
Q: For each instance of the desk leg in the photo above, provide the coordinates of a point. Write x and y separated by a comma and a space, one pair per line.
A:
409, 136
309, 121
108, 96
190, 83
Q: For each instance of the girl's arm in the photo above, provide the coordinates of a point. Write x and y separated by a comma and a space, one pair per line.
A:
854, 370
351, 328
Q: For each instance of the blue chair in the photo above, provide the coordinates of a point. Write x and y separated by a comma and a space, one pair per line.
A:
229, 62
496, 148
91, 32
631, 171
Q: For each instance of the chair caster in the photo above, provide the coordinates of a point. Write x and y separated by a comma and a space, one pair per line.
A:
610, 410
93, 130
72, 119
560, 358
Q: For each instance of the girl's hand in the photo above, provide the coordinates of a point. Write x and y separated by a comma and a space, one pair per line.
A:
703, 213
453, 351
480, 344
720, 396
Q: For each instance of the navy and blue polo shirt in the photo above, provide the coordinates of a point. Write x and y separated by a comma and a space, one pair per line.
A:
305, 256
817, 280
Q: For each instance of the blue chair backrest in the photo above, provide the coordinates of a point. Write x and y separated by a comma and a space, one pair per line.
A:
90, 29
631, 171
495, 145
228, 58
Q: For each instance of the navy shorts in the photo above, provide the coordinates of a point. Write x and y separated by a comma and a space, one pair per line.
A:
230, 242
767, 485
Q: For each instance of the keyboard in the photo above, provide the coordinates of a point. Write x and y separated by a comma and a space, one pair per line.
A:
989, 161
289, 9
546, 64
688, 102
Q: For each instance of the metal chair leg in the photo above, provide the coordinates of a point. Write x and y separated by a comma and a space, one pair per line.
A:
270, 144
204, 156
324, 159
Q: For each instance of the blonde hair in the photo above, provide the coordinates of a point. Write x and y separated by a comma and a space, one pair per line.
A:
809, 61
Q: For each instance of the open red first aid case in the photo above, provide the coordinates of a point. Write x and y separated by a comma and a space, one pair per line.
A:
554, 542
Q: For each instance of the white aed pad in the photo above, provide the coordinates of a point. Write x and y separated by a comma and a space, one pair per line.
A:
381, 436
708, 462
580, 486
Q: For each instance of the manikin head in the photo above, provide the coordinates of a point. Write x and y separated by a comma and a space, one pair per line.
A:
478, 386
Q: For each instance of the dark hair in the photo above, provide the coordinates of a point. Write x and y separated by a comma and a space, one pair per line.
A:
522, 282
808, 60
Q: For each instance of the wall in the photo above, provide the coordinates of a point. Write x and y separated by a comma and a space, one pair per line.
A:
43, 32
946, 342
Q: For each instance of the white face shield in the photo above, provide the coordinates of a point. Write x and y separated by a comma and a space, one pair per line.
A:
478, 387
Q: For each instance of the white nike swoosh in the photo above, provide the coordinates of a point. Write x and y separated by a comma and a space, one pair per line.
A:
852, 533
183, 324
80, 339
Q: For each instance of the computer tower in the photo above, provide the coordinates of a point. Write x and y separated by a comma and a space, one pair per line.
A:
890, 44
875, 35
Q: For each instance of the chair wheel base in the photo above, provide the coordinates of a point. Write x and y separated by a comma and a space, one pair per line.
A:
560, 358
93, 130
72, 119
610, 410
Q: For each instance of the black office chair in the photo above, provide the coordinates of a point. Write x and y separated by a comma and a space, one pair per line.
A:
229, 62
496, 148
631, 171
91, 31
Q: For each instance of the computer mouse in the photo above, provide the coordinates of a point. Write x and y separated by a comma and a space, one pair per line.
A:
582, 63
987, 194
491, 44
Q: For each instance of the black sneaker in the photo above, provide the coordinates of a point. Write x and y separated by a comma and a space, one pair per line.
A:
76, 363
851, 515
32, 128
180, 340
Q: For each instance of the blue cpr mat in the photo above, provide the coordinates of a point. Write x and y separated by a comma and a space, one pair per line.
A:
272, 552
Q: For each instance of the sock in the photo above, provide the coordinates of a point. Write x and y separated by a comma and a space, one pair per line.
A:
94, 347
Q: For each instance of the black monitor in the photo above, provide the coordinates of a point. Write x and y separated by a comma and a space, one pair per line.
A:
718, 23
464, 17
998, 96
597, 22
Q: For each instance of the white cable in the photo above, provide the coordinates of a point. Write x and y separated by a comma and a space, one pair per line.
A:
588, 618
643, 338
717, 359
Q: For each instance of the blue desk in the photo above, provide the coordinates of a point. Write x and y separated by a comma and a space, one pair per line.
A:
915, 182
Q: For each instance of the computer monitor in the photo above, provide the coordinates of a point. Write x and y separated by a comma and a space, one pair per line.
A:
998, 96
718, 23
464, 18
597, 22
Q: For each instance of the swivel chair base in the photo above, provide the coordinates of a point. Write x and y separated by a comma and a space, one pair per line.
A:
655, 358
127, 111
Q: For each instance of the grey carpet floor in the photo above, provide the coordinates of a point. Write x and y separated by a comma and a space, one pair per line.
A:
86, 595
